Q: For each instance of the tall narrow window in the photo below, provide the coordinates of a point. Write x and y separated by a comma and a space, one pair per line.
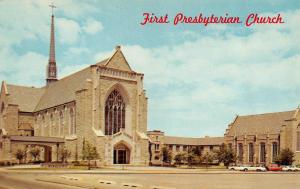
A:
61, 123
43, 125
298, 138
72, 121
51, 124
241, 152
2, 107
274, 151
262, 152
114, 113
251, 153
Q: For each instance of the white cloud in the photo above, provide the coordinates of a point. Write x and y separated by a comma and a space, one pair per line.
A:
92, 26
13, 67
194, 80
68, 30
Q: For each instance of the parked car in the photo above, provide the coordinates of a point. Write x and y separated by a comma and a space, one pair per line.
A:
247, 168
290, 168
274, 167
238, 168
257, 168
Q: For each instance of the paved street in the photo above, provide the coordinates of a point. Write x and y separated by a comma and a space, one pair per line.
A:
17, 181
159, 181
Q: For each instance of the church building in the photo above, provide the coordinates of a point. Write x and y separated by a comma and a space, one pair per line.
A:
104, 105
258, 139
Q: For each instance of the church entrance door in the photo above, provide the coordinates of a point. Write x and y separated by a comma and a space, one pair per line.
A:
121, 154
48, 154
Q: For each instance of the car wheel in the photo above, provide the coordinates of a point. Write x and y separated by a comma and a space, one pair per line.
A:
232, 169
289, 170
258, 170
245, 169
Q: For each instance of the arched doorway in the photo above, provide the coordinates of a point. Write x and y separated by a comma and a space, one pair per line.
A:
121, 154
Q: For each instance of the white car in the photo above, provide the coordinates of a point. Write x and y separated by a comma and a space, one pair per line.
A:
247, 168
291, 168
257, 168
238, 168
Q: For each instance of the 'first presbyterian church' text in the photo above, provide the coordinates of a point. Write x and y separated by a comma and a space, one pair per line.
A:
180, 18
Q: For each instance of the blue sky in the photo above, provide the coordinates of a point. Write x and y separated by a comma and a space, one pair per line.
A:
197, 78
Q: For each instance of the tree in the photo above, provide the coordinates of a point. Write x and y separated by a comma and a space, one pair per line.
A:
179, 158
20, 154
207, 159
193, 156
35, 153
286, 157
89, 153
225, 155
166, 155
64, 154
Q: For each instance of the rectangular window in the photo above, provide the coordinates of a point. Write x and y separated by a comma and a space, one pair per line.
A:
251, 152
274, 151
170, 147
240, 152
211, 148
262, 152
156, 146
184, 148
1, 145
298, 141
177, 148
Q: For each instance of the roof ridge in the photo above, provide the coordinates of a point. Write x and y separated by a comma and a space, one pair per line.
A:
72, 74
268, 113
31, 87
196, 137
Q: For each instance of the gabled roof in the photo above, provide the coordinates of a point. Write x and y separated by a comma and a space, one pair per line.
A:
118, 61
260, 124
63, 90
32, 99
207, 141
26, 97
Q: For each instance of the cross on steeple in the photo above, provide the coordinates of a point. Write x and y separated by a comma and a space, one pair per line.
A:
52, 7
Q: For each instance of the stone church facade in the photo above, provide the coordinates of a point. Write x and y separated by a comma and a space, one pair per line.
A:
104, 104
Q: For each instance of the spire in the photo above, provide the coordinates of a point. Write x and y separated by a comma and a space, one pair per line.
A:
52, 42
51, 67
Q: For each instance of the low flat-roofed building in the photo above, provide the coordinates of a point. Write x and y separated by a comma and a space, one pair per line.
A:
158, 140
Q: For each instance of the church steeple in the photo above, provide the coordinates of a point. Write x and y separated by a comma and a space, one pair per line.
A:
51, 67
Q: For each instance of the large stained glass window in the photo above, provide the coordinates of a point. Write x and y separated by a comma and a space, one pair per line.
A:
114, 113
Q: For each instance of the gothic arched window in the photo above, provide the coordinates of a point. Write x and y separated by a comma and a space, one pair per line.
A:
114, 113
